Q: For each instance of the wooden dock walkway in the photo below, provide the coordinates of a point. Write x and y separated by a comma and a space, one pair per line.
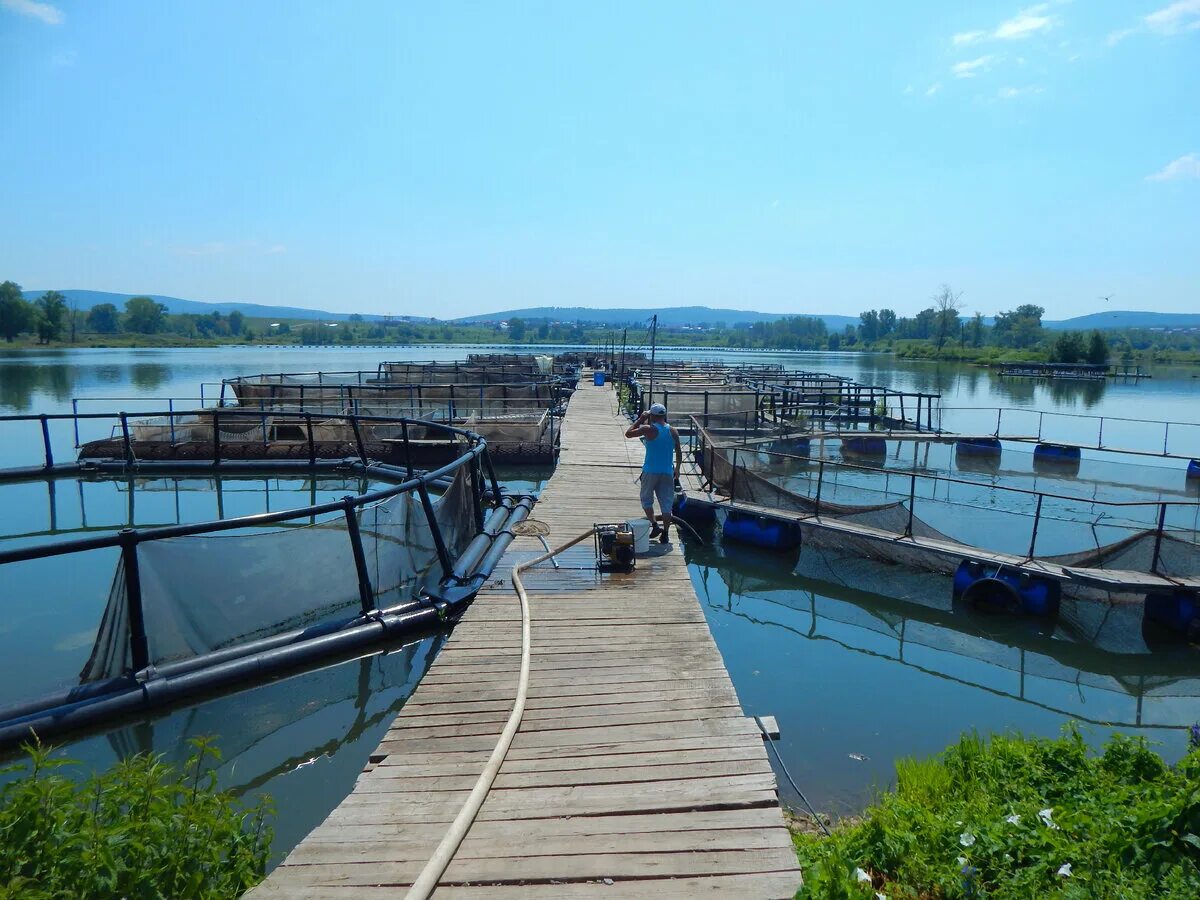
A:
635, 772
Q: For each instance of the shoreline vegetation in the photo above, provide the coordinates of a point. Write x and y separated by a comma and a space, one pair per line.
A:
1017, 817
139, 829
938, 333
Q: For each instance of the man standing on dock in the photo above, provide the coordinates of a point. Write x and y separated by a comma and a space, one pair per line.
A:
659, 474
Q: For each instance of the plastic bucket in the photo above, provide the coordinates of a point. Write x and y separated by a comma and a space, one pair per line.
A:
641, 535
598, 379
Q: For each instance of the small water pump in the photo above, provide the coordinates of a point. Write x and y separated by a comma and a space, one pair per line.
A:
614, 547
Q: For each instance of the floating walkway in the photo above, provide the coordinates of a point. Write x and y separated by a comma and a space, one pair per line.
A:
635, 772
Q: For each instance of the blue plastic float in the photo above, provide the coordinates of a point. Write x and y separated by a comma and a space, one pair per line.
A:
1056, 458
1177, 611
694, 512
999, 589
1193, 469
760, 531
986, 447
864, 446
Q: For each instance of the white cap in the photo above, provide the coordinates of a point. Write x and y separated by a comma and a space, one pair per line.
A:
657, 409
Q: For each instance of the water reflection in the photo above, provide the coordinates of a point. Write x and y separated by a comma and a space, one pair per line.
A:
847, 671
302, 740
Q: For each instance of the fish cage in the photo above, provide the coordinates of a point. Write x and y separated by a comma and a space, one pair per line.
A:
1018, 537
783, 399
196, 606
320, 391
1108, 677
523, 435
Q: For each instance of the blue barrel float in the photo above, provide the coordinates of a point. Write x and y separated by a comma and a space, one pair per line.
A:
1176, 611
799, 446
598, 379
993, 588
760, 531
864, 446
1193, 469
978, 455
1056, 458
694, 512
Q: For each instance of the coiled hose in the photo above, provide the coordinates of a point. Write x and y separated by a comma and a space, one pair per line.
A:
431, 874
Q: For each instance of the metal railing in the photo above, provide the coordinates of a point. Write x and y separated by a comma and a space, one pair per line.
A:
737, 458
474, 456
1039, 426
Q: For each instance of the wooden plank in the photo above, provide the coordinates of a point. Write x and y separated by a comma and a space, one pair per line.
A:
635, 771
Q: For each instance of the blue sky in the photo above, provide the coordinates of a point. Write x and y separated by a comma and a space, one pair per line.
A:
445, 159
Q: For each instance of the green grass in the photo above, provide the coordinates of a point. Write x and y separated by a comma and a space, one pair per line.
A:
139, 830
1002, 818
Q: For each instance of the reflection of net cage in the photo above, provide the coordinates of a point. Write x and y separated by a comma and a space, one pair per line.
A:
932, 521
1057, 668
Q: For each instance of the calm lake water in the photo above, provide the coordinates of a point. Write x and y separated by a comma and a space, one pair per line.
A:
855, 680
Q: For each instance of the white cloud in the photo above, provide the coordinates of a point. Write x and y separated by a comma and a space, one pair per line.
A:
971, 67
1117, 36
933, 89
51, 15
1024, 23
1011, 93
1186, 167
1183, 15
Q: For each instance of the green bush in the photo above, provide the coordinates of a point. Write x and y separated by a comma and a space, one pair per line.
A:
139, 830
1017, 818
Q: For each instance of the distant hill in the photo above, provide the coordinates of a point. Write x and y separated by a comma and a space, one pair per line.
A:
667, 316
1124, 318
88, 299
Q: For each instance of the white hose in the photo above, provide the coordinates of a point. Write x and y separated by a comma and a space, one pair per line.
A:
427, 881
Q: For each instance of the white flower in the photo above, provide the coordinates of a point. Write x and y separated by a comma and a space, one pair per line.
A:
1044, 815
966, 839
962, 860
879, 896
1014, 819
1064, 871
861, 875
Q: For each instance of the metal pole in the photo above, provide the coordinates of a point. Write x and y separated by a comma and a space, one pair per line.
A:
312, 447
366, 596
171, 416
1037, 517
75, 418
624, 335
1158, 536
216, 420
138, 646
358, 441
125, 437
912, 502
407, 449
820, 481
46, 442
438, 541
653, 347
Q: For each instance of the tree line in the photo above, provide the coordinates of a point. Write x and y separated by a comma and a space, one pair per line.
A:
52, 318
